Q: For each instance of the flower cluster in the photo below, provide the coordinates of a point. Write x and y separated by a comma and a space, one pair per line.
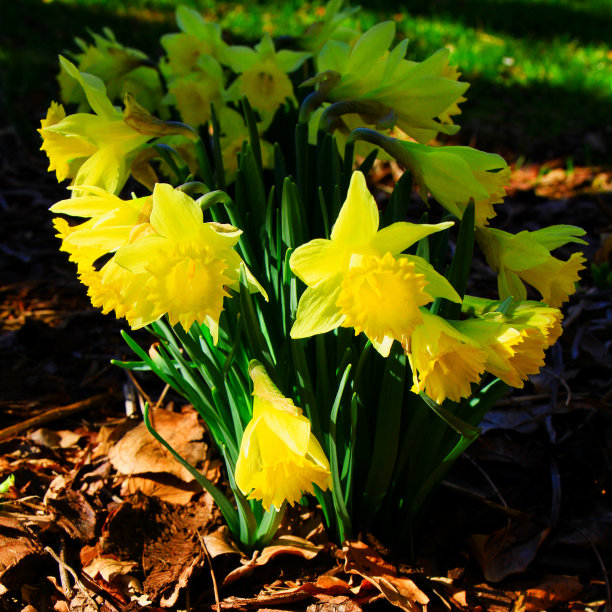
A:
361, 279
160, 254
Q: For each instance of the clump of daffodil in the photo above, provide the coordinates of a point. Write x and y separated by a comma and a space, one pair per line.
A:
263, 75
444, 361
97, 149
122, 69
525, 258
418, 97
513, 352
234, 132
359, 278
192, 66
279, 458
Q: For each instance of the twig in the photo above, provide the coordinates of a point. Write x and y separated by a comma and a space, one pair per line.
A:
77, 582
55, 414
212, 572
68, 592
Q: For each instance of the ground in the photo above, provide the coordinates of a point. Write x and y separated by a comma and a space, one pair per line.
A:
99, 517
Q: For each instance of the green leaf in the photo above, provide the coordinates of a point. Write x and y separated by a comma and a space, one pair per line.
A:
386, 436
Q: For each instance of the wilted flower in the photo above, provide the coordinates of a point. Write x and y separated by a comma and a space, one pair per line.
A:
279, 457
359, 278
525, 257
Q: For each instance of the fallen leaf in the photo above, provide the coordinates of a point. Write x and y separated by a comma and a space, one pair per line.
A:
552, 592
361, 559
508, 550
285, 545
138, 452
108, 568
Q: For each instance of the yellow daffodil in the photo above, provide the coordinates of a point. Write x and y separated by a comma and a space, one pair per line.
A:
360, 279
122, 69
534, 314
456, 175
279, 457
513, 351
525, 258
418, 97
199, 39
263, 75
444, 361
329, 28
181, 266
96, 150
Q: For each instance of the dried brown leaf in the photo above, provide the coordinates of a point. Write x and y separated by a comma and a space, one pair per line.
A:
363, 560
552, 592
507, 550
137, 452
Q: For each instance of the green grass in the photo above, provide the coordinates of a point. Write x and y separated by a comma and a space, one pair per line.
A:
540, 70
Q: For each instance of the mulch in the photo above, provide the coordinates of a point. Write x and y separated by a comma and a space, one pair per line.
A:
99, 517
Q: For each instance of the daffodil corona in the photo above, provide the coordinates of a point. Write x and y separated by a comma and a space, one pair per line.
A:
279, 457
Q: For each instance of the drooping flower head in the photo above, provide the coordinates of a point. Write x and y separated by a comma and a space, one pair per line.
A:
360, 278
279, 457
444, 361
525, 257
513, 352
456, 175
537, 315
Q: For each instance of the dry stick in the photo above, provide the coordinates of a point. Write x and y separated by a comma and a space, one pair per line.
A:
77, 582
55, 414
212, 572
68, 592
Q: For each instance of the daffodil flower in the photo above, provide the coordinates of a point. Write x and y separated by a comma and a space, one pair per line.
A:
421, 96
360, 278
199, 39
181, 266
533, 314
279, 458
263, 75
444, 361
97, 149
525, 258
456, 175
122, 69
513, 352
234, 132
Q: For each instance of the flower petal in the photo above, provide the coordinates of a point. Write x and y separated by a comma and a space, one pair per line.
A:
397, 237
317, 261
317, 312
358, 219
